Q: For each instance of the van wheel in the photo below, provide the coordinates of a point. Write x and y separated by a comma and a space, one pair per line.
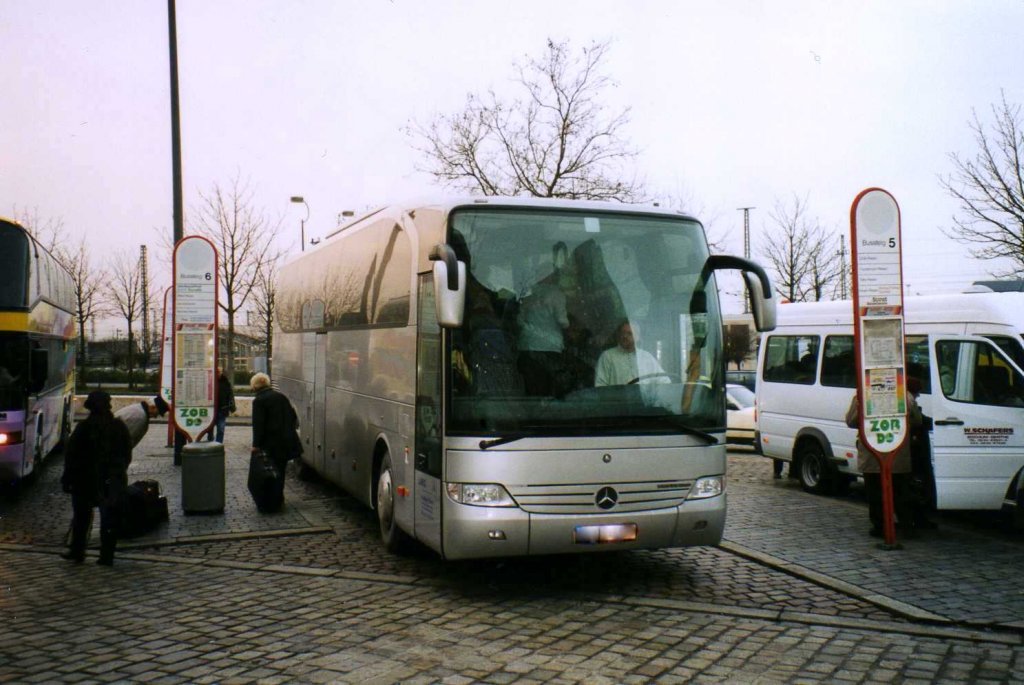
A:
394, 538
814, 469
1017, 512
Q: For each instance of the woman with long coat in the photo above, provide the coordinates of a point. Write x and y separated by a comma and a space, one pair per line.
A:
96, 474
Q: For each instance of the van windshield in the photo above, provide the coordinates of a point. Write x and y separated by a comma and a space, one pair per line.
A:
576, 322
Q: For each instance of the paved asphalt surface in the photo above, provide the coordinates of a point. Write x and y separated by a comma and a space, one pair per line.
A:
797, 593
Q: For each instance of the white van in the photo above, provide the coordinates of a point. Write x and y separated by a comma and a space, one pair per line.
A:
964, 350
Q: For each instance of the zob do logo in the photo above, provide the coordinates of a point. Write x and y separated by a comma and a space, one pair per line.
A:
193, 417
885, 430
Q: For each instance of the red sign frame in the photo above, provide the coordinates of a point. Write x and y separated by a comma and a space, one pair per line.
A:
878, 304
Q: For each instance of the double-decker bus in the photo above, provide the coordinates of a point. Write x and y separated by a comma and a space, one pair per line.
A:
37, 352
509, 376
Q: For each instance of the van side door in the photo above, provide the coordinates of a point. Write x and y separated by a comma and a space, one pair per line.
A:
977, 410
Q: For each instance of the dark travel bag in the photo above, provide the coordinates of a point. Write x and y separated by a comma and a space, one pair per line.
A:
265, 482
144, 508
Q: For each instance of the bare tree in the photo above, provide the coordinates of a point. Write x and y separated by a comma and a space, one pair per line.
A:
244, 238
800, 251
263, 306
125, 297
556, 140
88, 280
990, 189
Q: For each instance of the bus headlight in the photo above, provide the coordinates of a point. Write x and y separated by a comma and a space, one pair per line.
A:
709, 486
12, 438
480, 494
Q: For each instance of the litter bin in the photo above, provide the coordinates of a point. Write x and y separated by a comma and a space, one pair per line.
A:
202, 478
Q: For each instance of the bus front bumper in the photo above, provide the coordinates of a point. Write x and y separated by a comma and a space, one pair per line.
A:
480, 532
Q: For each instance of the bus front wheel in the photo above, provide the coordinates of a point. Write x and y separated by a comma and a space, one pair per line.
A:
394, 538
814, 472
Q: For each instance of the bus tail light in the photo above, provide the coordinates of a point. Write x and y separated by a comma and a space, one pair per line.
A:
480, 494
709, 486
12, 438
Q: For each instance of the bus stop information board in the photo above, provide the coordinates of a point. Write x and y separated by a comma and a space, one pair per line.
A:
878, 328
195, 335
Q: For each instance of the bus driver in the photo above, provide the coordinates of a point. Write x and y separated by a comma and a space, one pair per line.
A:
625, 363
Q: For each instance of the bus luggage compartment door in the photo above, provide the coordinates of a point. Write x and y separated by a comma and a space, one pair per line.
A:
319, 402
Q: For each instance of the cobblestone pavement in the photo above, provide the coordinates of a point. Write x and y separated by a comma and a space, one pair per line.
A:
967, 571
797, 593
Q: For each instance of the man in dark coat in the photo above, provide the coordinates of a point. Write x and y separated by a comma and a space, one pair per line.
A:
96, 474
274, 423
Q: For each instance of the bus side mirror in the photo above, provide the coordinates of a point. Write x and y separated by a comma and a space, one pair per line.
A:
762, 301
449, 286
763, 307
40, 369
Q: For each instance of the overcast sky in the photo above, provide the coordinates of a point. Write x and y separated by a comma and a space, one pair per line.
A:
733, 104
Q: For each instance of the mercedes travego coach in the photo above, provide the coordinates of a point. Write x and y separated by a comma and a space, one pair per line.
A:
511, 376
965, 351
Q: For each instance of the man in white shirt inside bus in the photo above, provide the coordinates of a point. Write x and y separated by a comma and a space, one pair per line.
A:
626, 363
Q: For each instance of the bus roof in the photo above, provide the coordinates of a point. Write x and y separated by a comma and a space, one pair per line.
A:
446, 204
1006, 309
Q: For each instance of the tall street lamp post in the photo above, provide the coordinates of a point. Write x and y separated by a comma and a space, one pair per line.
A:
298, 199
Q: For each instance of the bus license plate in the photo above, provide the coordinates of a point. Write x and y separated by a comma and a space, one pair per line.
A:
603, 534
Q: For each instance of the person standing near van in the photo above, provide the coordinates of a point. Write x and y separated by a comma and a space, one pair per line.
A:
870, 468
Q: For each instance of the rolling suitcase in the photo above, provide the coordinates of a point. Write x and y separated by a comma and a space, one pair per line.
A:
265, 482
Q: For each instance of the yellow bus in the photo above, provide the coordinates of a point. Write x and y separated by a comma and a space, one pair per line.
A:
37, 352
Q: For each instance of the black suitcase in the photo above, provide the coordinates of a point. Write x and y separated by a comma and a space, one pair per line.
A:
143, 510
265, 482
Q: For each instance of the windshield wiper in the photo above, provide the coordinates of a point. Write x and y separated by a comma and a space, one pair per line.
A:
503, 440
686, 430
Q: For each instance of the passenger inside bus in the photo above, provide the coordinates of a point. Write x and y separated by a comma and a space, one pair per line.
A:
595, 310
543, 321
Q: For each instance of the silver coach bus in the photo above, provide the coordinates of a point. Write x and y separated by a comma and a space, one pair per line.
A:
506, 376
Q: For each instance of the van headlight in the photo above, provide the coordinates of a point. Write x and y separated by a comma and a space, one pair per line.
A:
480, 494
708, 486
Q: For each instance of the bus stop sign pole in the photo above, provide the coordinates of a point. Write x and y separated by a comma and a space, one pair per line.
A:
194, 344
878, 334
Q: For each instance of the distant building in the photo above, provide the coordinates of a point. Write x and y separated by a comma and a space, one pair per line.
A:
112, 352
248, 350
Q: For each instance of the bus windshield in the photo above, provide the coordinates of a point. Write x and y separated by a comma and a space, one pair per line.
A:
579, 322
13, 265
